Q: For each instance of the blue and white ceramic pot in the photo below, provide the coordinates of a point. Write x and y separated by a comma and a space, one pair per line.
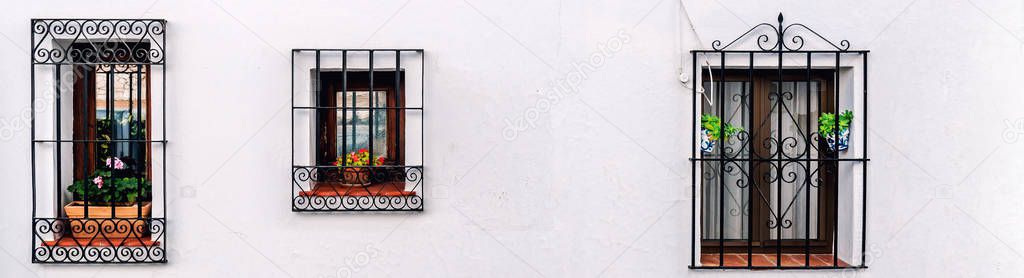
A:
843, 143
706, 144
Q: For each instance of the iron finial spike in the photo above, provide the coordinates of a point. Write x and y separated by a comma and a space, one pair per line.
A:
780, 18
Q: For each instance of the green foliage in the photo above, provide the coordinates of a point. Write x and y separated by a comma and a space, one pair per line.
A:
827, 122
713, 124
121, 189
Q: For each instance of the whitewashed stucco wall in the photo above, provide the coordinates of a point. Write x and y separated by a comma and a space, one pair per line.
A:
595, 184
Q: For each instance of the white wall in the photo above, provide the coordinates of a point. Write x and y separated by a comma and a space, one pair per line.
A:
596, 181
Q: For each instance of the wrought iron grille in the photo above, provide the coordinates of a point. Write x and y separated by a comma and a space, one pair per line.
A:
779, 170
98, 176
357, 130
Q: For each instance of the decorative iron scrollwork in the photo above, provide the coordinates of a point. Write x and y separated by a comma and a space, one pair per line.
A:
387, 188
53, 243
776, 36
98, 41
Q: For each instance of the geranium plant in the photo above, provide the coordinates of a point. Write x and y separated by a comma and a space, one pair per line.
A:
103, 188
713, 124
358, 158
827, 122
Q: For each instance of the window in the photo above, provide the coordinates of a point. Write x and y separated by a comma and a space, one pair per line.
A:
362, 150
93, 141
779, 167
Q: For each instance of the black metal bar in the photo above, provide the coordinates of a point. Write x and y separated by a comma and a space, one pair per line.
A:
56, 128
131, 146
356, 49
111, 147
720, 95
776, 268
849, 52
163, 147
99, 141
143, 148
292, 117
423, 122
32, 132
355, 108
693, 165
399, 102
864, 167
371, 127
778, 201
344, 104
781, 160
750, 164
807, 169
835, 223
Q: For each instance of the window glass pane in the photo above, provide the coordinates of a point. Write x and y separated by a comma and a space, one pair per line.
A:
354, 125
123, 117
727, 182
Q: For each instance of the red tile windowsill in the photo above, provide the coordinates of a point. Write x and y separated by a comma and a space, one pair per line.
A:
69, 241
769, 260
389, 189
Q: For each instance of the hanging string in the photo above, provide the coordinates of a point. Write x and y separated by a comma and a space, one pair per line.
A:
711, 78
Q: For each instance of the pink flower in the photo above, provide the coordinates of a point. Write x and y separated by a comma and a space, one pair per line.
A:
98, 181
118, 164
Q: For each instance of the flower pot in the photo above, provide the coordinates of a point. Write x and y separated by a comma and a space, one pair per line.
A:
126, 221
355, 177
706, 144
842, 144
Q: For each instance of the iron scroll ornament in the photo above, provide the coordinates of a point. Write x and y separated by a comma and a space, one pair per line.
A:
107, 41
780, 31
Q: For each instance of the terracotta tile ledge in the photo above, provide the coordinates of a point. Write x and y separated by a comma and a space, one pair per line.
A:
68, 241
769, 260
390, 189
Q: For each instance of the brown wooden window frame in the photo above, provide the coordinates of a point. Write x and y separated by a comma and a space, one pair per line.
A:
332, 83
762, 243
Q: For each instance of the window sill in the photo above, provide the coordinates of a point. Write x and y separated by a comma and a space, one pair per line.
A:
769, 260
101, 242
386, 189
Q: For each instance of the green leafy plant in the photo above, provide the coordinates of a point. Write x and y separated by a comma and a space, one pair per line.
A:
827, 122
104, 188
713, 124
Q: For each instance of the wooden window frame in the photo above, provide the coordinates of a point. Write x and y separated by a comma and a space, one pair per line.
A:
332, 82
761, 241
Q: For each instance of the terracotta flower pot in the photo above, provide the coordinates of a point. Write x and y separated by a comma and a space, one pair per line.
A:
126, 221
356, 177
